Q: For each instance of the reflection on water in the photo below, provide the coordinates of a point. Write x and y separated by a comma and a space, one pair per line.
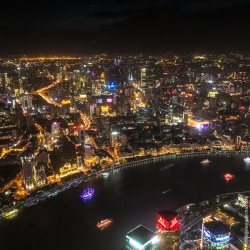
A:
131, 196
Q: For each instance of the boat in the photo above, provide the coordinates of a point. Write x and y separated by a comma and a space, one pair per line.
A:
247, 160
228, 177
87, 193
98, 174
9, 213
104, 223
166, 191
105, 173
170, 165
205, 161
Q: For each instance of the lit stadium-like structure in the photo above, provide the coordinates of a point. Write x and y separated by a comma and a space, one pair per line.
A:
215, 235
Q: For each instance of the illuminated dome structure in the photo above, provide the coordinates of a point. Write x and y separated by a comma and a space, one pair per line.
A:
87, 193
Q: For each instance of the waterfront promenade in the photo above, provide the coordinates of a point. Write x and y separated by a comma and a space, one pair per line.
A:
150, 159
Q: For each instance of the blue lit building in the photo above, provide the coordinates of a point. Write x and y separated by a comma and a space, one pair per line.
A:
141, 238
214, 235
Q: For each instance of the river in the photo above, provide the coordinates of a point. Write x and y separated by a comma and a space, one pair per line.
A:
130, 196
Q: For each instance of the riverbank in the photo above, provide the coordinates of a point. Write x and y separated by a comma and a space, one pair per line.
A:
151, 159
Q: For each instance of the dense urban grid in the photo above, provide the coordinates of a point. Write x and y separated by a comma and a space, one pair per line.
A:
65, 119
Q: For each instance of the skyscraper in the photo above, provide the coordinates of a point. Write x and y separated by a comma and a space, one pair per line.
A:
39, 175
81, 134
28, 163
141, 238
55, 128
214, 234
143, 77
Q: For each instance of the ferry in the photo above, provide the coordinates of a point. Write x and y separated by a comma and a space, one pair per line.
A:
9, 213
105, 173
205, 161
166, 191
228, 177
104, 223
87, 193
98, 174
247, 160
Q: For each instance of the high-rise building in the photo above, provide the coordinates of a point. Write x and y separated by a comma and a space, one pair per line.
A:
81, 134
40, 175
167, 223
26, 101
55, 128
141, 238
88, 152
113, 138
214, 234
79, 162
30, 121
143, 77
237, 141
28, 163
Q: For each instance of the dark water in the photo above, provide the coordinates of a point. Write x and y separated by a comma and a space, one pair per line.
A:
130, 196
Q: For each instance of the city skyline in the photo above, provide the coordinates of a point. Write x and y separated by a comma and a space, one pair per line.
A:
131, 27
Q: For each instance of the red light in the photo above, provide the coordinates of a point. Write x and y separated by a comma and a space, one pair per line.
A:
162, 222
173, 222
74, 127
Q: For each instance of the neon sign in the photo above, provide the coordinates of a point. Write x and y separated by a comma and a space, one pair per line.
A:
162, 222
173, 222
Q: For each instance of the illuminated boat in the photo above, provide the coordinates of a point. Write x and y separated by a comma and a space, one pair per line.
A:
205, 161
105, 173
98, 174
247, 160
104, 223
9, 213
228, 177
87, 193
170, 165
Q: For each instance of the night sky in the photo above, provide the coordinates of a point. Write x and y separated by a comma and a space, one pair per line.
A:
124, 26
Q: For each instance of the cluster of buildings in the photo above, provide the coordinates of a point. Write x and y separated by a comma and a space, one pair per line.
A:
121, 106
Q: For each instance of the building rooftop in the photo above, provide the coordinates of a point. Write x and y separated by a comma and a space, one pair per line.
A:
141, 235
167, 214
216, 227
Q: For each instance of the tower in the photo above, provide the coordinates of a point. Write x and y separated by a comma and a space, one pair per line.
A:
214, 234
143, 77
81, 134
28, 163
39, 175
141, 238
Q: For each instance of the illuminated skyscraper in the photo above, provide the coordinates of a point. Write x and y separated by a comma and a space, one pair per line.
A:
88, 152
39, 175
55, 128
79, 162
214, 235
28, 163
168, 225
113, 138
81, 134
237, 141
143, 77
141, 238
